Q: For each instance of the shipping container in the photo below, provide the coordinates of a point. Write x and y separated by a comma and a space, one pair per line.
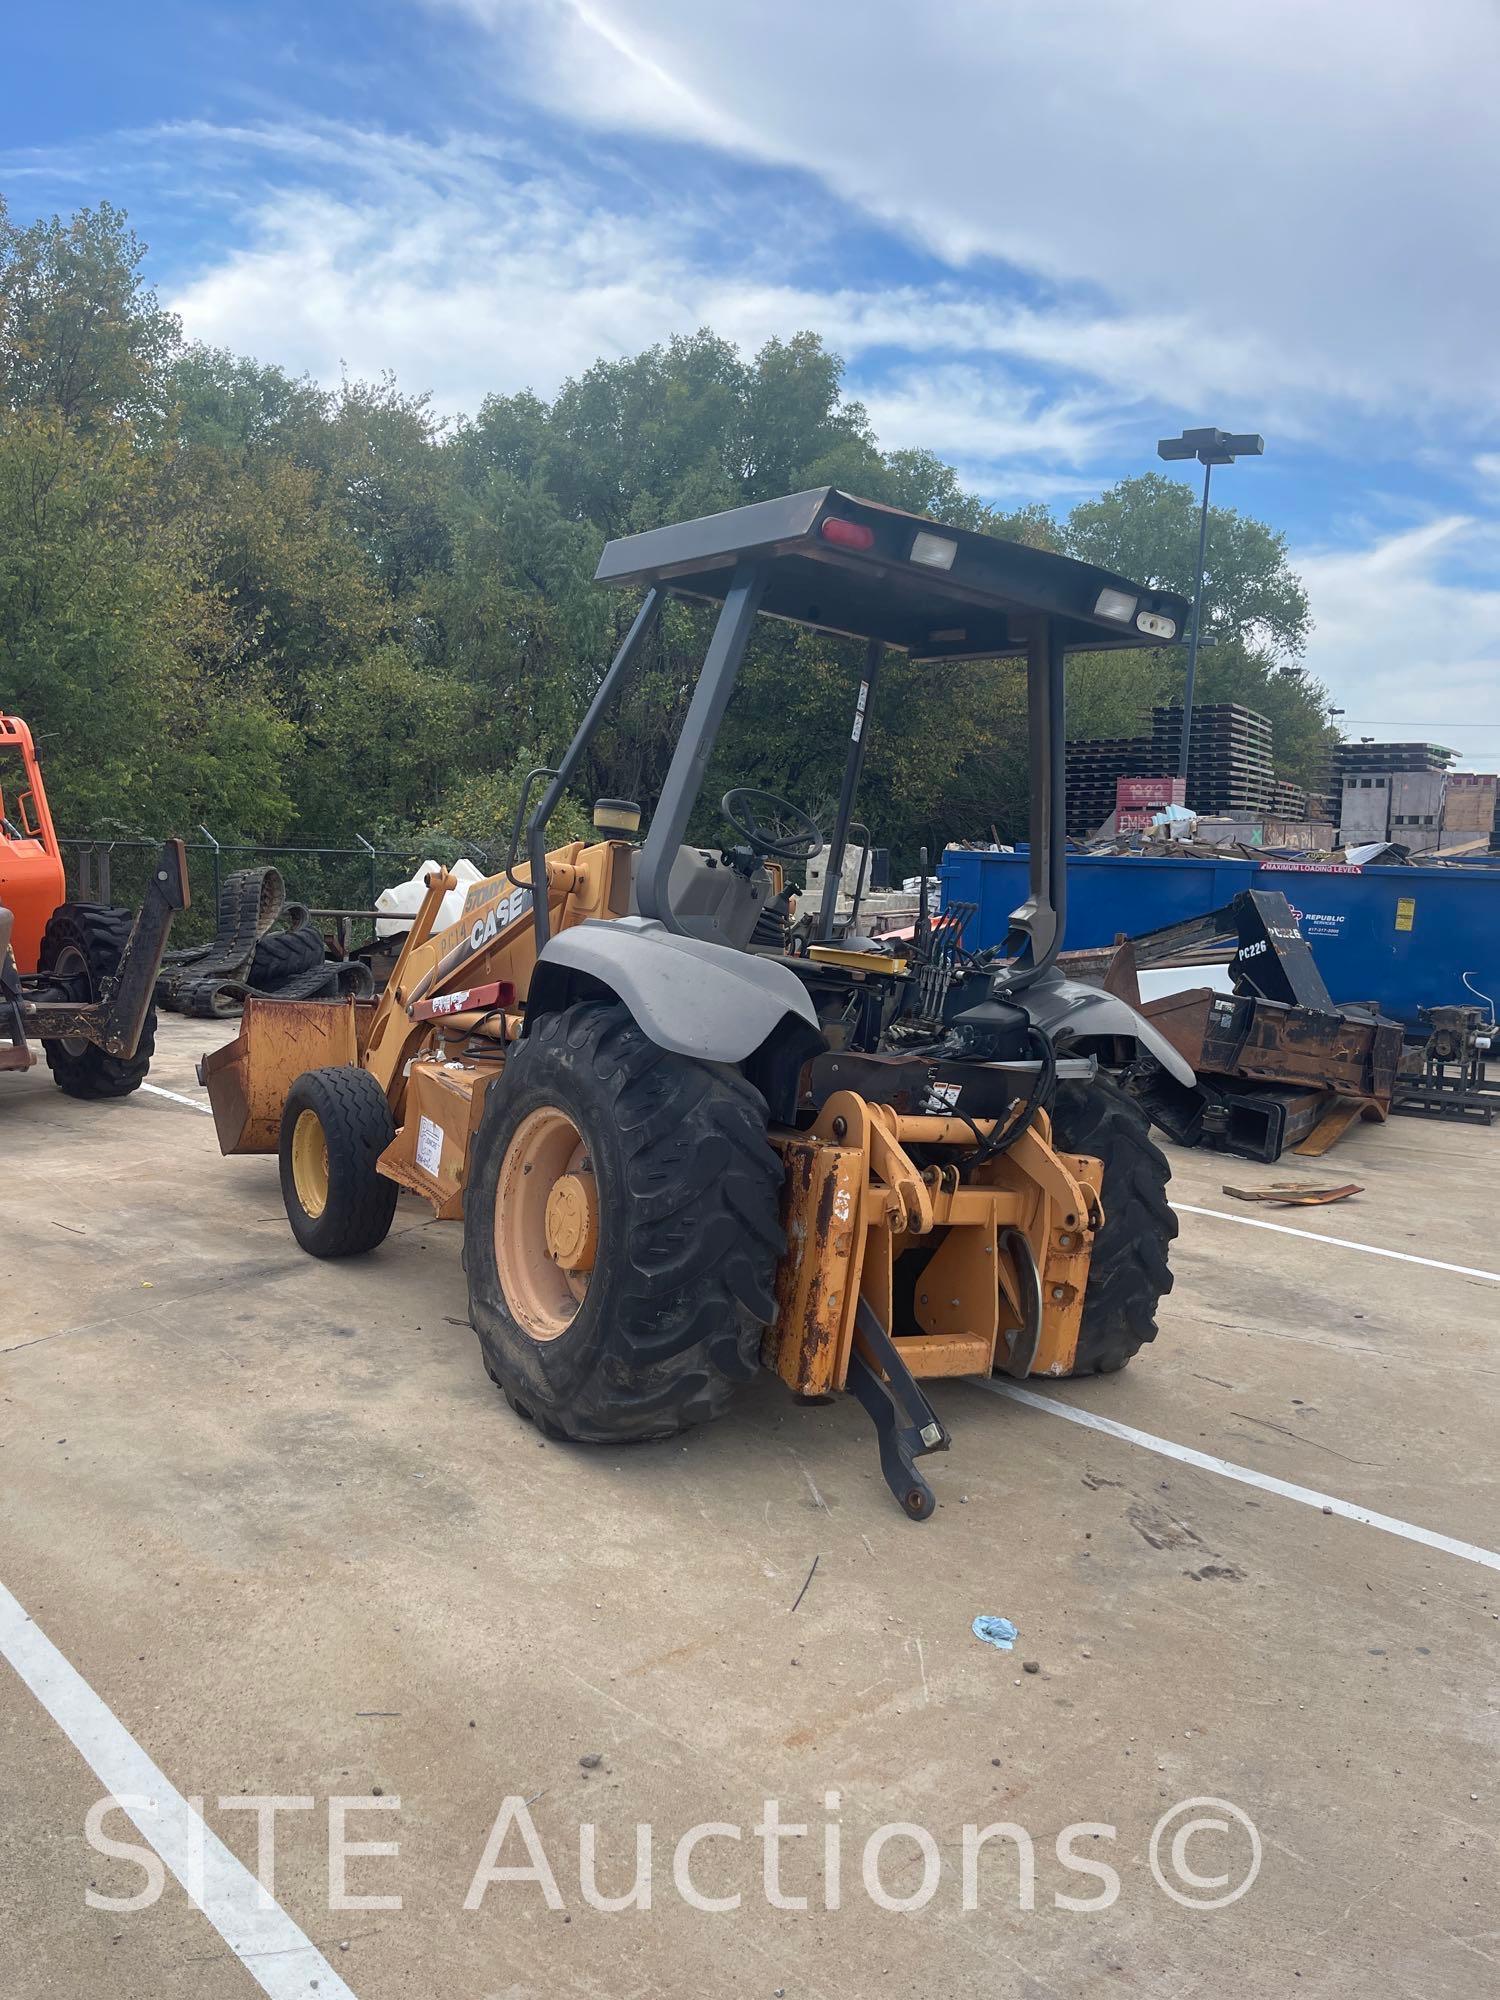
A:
1136, 794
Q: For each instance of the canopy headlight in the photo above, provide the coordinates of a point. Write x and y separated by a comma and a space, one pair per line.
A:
934, 550
1156, 624
1116, 604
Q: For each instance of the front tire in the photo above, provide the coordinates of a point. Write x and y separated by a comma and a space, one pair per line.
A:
335, 1125
81, 949
1128, 1273
621, 1231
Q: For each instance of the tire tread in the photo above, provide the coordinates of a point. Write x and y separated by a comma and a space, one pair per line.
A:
1129, 1273
357, 1126
100, 933
702, 1234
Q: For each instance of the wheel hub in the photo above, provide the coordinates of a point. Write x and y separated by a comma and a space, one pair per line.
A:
546, 1222
71, 981
573, 1222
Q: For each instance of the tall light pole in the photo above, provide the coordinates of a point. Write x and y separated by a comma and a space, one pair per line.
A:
1210, 448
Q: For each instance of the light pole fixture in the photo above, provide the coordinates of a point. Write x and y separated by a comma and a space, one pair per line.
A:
1210, 448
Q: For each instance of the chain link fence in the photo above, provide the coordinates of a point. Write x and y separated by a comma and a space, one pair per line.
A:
338, 884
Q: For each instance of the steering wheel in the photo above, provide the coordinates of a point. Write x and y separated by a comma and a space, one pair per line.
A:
771, 825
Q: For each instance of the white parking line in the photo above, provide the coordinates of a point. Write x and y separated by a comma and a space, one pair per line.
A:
1325, 1502
1182, 1207
279, 1957
1338, 1242
1266, 1482
178, 1098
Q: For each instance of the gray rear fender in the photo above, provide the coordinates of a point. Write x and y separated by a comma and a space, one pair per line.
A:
1066, 1006
696, 998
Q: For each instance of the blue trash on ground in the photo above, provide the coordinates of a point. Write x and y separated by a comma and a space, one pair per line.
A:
997, 1632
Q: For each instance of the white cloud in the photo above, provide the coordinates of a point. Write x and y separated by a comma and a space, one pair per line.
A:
473, 268
1408, 643
960, 411
1288, 203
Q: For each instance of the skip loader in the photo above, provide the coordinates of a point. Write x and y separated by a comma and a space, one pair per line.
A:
683, 1140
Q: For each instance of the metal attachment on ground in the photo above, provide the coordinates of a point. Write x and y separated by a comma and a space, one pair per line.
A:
1295, 1194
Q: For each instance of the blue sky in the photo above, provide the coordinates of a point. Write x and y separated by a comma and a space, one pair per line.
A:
1042, 238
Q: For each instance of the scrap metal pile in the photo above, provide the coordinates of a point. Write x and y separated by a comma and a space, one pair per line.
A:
1278, 1063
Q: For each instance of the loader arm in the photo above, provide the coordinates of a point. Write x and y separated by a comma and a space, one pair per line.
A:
493, 943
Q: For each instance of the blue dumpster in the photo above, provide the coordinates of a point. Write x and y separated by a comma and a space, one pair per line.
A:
1401, 937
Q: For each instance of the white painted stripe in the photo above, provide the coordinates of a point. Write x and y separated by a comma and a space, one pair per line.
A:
279, 1957
1265, 1482
177, 1098
1338, 1242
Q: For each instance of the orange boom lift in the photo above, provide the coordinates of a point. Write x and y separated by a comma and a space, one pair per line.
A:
75, 977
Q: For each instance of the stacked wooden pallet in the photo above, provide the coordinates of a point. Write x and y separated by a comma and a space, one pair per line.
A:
1288, 801
1371, 757
1469, 805
1095, 766
1229, 775
1229, 757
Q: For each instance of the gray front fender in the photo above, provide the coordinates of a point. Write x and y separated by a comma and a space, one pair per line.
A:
689, 995
1062, 1005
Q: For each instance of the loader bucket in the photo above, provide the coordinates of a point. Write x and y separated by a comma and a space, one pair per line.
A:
249, 1078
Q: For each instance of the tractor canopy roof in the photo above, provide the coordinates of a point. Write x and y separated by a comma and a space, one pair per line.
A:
863, 570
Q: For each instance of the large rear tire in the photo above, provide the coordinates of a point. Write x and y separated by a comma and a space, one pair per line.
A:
621, 1231
1128, 1274
81, 949
335, 1125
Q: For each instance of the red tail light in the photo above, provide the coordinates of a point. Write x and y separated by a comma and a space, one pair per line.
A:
847, 534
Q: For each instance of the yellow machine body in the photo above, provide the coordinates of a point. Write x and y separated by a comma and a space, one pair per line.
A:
854, 1203
1010, 1245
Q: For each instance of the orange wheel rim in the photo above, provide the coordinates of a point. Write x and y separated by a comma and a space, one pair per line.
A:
546, 1222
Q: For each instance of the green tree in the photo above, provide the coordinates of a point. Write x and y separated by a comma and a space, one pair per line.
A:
109, 644
231, 404
1147, 529
230, 594
1256, 620
80, 332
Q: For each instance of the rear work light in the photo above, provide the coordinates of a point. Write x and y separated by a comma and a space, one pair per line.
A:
934, 550
847, 534
1156, 624
1116, 604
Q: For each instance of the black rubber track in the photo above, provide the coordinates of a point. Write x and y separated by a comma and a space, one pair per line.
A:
1128, 1273
357, 1127
100, 936
250, 900
689, 1240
